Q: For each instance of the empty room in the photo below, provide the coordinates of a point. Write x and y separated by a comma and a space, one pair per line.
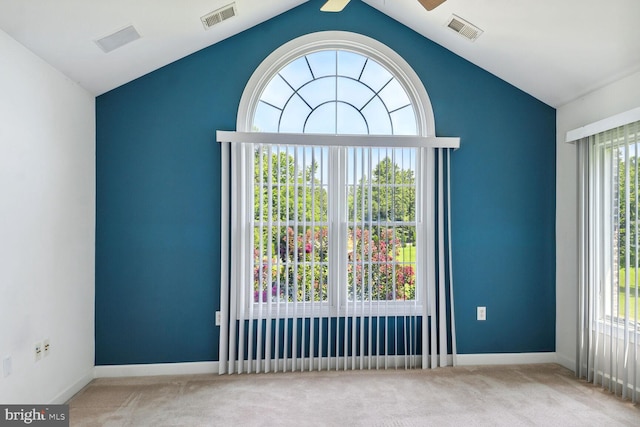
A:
289, 212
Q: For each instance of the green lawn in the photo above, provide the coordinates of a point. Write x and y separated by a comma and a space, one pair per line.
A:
407, 253
632, 278
632, 305
632, 293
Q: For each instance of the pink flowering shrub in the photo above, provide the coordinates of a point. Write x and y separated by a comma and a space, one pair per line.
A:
298, 267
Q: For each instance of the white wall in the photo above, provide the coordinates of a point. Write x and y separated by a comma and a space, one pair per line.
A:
615, 98
47, 222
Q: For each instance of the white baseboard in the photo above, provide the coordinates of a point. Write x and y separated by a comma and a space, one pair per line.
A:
153, 369
506, 358
74, 388
567, 362
190, 368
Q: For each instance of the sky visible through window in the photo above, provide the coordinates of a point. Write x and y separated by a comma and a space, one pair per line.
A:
335, 92
338, 92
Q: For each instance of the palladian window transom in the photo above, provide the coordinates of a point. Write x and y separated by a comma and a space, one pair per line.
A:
335, 92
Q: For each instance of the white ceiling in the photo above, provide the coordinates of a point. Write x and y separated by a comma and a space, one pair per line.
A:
555, 50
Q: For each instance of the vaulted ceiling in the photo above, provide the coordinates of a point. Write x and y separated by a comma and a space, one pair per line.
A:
554, 50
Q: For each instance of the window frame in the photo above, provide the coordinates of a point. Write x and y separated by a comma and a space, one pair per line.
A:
425, 129
340, 40
603, 176
336, 303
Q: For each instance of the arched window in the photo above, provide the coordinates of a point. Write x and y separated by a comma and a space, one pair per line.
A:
332, 196
335, 92
336, 82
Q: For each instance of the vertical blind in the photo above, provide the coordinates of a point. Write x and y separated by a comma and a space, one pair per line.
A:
339, 258
609, 332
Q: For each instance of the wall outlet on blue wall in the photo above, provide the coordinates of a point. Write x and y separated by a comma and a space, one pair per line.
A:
482, 313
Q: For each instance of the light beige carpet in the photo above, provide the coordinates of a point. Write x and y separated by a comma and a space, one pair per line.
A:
526, 395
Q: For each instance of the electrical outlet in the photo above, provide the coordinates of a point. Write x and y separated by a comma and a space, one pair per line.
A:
218, 318
38, 351
482, 313
47, 347
6, 366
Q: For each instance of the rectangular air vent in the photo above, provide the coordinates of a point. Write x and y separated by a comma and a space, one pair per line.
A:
464, 28
118, 39
217, 16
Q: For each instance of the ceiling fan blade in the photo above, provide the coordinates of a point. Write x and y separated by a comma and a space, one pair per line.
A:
334, 5
431, 4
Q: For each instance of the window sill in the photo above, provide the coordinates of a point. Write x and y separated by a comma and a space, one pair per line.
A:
616, 328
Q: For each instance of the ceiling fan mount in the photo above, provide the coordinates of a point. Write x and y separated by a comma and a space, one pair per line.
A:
338, 5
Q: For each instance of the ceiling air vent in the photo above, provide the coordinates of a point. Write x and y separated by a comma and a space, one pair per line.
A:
118, 39
464, 28
217, 16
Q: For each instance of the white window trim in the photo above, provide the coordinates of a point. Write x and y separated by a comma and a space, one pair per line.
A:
425, 138
325, 140
341, 40
603, 125
604, 323
614, 328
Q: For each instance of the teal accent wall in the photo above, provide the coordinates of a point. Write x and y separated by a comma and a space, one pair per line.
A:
158, 193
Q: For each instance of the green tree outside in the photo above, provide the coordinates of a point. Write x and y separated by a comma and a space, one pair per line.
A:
291, 264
